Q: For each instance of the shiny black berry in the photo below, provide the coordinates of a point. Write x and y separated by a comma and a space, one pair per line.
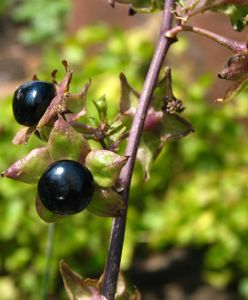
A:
66, 187
31, 100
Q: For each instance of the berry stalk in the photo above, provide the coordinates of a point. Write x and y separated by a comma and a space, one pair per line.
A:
49, 251
118, 227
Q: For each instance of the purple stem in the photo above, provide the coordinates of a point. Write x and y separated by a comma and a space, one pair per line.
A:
118, 227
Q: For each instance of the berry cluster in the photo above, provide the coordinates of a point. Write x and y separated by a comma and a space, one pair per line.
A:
67, 186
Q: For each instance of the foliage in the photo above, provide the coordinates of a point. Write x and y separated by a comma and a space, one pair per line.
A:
197, 193
45, 20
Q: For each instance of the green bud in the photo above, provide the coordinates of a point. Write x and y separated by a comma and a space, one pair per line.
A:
101, 106
29, 168
105, 166
106, 203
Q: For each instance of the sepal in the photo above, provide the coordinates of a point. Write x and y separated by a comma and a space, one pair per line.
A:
106, 203
67, 143
45, 214
78, 288
174, 127
105, 166
90, 289
29, 168
76, 103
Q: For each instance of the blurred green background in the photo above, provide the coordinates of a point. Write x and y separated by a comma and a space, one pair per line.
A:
197, 196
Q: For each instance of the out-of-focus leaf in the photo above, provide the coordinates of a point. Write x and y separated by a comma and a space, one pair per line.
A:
106, 203
66, 143
143, 6
215, 3
238, 14
29, 168
105, 166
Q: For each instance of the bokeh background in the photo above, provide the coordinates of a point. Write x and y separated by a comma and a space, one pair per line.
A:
187, 231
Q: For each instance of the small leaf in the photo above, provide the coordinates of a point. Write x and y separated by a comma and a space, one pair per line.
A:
233, 90
238, 13
174, 127
29, 168
66, 143
101, 106
45, 214
105, 166
76, 287
106, 203
236, 67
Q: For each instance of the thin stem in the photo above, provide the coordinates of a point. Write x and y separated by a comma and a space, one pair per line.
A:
49, 251
233, 45
119, 223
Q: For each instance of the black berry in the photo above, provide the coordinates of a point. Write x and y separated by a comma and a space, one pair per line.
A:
66, 187
31, 100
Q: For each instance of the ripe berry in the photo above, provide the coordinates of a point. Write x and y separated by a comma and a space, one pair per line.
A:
31, 100
66, 187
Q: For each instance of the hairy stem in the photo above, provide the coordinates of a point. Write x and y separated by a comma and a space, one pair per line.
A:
118, 227
233, 45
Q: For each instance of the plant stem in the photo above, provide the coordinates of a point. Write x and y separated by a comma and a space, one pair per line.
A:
49, 250
233, 45
118, 227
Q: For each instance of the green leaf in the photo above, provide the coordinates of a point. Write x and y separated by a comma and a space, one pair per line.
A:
29, 168
106, 203
238, 14
105, 166
66, 143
